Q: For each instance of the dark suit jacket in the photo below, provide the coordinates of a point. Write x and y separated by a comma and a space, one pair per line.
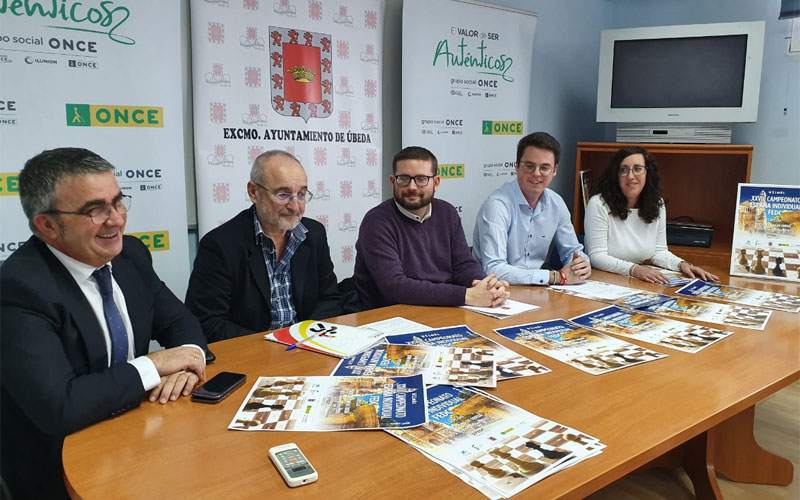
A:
229, 288
55, 374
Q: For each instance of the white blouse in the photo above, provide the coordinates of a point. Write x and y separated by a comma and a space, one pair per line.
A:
615, 245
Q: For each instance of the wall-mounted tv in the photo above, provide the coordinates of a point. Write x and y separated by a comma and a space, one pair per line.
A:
699, 73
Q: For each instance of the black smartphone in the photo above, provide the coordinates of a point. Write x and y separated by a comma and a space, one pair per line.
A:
218, 387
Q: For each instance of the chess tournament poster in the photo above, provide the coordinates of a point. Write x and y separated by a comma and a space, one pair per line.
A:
332, 404
766, 232
438, 365
665, 332
494, 446
508, 364
585, 349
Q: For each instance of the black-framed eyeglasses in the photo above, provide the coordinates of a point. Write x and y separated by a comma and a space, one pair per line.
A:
286, 198
529, 167
636, 169
404, 180
100, 213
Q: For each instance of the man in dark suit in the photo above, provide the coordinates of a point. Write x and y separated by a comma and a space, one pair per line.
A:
80, 303
269, 266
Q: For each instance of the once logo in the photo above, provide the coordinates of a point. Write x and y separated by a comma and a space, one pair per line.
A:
155, 241
10, 246
501, 128
9, 184
100, 115
451, 170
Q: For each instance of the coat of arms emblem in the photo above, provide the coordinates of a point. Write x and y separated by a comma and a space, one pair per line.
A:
301, 73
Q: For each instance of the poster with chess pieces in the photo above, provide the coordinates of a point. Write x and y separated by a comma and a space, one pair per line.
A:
332, 404
494, 446
438, 365
766, 232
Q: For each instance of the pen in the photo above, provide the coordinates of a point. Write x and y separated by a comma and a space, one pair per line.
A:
304, 340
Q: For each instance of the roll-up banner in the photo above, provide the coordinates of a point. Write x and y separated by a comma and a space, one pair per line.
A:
105, 76
300, 76
466, 93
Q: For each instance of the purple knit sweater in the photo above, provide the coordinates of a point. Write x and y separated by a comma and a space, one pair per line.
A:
401, 261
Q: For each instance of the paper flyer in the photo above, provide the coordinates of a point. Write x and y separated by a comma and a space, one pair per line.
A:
610, 293
437, 365
508, 363
508, 309
743, 296
328, 338
722, 314
578, 346
495, 443
396, 325
766, 232
332, 404
665, 332
666, 305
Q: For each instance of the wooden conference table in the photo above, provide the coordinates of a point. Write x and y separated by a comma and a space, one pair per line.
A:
700, 406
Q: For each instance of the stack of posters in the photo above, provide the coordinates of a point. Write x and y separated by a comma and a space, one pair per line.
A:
508, 364
327, 338
332, 404
438, 365
766, 232
665, 332
744, 296
508, 309
496, 447
578, 346
665, 305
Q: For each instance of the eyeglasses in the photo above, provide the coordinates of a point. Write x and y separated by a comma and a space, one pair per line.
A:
286, 198
530, 168
404, 180
100, 213
636, 169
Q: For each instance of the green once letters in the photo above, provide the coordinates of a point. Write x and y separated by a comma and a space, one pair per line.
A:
500, 64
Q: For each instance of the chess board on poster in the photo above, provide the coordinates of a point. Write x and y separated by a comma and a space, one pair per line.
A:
766, 232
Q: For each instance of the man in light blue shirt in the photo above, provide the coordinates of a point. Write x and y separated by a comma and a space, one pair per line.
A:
519, 220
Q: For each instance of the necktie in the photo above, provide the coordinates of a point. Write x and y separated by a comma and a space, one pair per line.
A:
116, 328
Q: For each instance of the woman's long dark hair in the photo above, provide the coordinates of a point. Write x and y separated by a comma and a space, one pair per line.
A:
649, 202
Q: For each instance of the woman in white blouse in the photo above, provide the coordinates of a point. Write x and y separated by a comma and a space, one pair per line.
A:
625, 222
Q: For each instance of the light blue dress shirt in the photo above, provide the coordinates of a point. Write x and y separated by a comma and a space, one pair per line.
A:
512, 239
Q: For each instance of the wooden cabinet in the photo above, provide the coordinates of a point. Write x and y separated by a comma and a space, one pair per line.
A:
697, 181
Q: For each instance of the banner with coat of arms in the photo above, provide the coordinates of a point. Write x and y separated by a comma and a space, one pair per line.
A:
302, 76
466, 93
91, 74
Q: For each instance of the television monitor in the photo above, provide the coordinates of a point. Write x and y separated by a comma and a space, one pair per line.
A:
699, 73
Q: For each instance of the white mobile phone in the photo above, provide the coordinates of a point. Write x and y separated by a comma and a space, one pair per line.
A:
292, 464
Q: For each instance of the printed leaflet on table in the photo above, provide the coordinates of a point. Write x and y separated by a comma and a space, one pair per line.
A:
508, 363
438, 365
744, 296
328, 338
576, 345
665, 305
766, 232
508, 309
665, 332
332, 404
493, 442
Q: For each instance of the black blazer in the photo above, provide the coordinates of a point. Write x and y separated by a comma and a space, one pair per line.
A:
229, 288
55, 374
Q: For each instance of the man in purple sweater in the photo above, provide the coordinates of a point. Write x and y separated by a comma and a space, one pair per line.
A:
412, 249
